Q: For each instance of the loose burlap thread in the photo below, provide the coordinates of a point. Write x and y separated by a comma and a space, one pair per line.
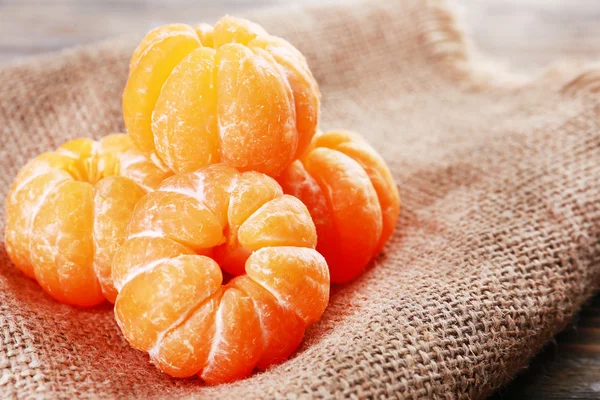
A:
497, 247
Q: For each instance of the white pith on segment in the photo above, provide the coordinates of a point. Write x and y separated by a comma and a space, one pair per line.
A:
272, 55
58, 172
197, 194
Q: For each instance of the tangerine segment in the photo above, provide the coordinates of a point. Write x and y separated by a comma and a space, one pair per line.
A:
356, 212
282, 329
170, 302
233, 93
236, 30
237, 343
114, 199
351, 196
19, 224
280, 222
209, 186
138, 252
174, 215
302, 83
66, 211
152, 301
255, 110
151, 65
184, 350
185, 122
62, 247
250, 192
296, 276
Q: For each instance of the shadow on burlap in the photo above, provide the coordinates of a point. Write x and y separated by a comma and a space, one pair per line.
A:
497, 247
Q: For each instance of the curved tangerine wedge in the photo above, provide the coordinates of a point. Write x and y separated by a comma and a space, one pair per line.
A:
351, 196
171, 298
233, 94
67, 213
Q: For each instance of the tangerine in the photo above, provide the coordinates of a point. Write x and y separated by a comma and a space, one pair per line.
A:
351, 196
172, 301
233, 94
67, 213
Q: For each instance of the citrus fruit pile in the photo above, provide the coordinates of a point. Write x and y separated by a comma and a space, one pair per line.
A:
217, 224
172, 301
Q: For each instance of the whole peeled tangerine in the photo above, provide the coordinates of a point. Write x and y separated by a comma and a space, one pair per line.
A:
67, 213
232, 94
352, 198
172, 300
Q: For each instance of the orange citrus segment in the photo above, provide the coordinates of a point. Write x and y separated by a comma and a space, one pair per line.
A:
297, 182
255, 109
183, 351
282, 329
78, 148
160, 296
359, 212
235, 30
62, 248
184, 121
283, 221
205, 33
297, 277
302, 83
115, 198
382, 181
26, 196
209, 186
237, 344
153, 37
150, 68
138, 252
174, 215
114, 143
249, 192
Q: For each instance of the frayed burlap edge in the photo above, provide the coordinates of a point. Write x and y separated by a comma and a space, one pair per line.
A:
446, 35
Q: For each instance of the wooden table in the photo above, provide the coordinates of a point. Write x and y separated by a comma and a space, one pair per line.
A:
522, 34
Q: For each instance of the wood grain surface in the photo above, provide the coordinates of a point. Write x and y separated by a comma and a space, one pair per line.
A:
524, 35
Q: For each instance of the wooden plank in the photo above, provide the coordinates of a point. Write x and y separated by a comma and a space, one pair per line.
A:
29, 27
523, 33
568, 368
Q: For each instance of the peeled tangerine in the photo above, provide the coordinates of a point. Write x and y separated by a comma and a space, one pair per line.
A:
67, 213
172, 300
351, 196
232, 94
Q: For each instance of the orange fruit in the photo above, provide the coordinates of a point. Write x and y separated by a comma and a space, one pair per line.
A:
67, 213
232, 94
351, 196
172, 301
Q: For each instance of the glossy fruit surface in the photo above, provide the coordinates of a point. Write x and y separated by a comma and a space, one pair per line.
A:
172, 300
351, 196
232, 94
67, 213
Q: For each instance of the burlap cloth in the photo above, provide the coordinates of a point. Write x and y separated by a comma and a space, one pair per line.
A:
497, 247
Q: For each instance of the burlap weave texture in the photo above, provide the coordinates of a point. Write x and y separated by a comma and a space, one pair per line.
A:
497, 247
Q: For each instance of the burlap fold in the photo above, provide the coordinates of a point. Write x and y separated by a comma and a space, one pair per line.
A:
497, 247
